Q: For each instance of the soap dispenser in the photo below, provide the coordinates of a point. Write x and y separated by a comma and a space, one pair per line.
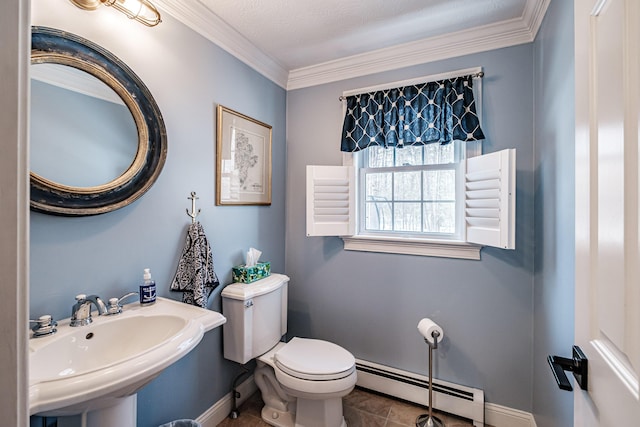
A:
147, 289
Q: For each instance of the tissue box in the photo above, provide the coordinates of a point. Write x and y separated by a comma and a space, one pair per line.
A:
243, 274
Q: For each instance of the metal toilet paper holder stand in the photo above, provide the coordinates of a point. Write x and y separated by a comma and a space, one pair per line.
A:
428, 420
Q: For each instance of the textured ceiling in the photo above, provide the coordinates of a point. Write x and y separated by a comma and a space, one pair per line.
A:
302, 43
302, 33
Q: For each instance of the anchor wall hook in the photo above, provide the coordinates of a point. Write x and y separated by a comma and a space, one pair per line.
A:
193, 214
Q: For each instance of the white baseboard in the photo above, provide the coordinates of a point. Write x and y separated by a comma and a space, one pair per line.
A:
495, 415
223, 407
466, 402
502, 416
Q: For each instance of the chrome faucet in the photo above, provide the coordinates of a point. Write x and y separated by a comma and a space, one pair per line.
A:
81, 310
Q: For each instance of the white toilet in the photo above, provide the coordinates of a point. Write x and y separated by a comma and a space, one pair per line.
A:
303, 381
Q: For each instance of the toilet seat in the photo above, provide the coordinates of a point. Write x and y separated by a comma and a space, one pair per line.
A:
315, 360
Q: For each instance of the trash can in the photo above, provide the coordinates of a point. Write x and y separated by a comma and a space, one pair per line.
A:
182, 423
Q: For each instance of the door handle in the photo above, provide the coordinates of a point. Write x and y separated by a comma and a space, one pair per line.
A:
578, 365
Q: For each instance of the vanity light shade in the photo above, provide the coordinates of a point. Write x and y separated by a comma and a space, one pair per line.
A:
142, 11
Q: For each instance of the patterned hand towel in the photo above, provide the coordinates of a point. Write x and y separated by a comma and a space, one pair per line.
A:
195, 276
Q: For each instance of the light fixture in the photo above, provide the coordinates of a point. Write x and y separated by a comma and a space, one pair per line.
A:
142, 11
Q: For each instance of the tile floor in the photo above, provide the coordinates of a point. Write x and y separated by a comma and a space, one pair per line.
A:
361, 409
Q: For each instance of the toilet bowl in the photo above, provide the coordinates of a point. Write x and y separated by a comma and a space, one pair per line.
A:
302, 382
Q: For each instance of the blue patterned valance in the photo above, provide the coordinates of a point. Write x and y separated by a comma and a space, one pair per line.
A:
412, 115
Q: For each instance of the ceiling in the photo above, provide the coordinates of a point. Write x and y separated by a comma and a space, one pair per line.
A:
299, 43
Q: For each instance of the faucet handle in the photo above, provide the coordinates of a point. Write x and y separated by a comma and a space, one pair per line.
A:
114, 307
81, 297
115, 304
45, 325
127, 296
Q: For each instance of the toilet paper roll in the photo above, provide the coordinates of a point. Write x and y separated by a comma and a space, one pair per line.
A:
426, 327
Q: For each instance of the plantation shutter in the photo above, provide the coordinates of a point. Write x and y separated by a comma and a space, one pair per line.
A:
490, 199
330, 200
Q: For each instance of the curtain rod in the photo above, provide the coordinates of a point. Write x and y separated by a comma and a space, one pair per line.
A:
478, 75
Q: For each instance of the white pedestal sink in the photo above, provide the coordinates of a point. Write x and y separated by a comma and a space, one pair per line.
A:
95, 370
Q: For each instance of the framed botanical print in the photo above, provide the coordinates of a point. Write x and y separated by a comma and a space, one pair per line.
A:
243, 159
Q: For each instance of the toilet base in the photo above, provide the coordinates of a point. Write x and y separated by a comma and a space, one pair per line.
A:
277, 418
285, 407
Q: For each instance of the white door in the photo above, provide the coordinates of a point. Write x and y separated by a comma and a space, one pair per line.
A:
607, 305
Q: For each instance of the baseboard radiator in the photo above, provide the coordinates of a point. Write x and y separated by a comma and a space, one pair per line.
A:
455, 399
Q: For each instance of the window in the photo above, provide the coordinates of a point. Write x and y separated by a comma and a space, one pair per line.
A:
486, 197
433, 199
410, 191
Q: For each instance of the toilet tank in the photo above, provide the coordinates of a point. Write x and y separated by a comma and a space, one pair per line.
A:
256, 317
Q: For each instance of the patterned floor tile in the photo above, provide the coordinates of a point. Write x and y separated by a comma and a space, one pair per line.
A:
358, 418
362, 408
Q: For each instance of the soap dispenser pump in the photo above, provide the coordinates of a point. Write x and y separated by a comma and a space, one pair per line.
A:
147, 289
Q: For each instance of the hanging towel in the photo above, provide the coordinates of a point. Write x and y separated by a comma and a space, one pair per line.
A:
195, 276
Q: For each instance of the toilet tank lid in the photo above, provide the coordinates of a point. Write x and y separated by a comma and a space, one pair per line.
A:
244, 291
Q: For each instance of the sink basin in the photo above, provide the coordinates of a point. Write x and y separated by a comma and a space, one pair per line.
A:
84, 368
85, 350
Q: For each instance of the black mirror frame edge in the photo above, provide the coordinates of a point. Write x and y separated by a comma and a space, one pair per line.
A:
52, 198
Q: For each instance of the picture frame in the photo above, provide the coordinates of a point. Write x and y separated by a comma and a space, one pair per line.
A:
243, 159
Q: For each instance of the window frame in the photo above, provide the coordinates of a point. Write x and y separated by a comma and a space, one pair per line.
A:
397, 243
362, 173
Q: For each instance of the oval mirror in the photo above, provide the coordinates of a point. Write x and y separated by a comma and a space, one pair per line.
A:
98, 140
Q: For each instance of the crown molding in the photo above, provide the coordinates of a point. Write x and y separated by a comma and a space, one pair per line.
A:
474, 40
199, 18
512, 32
533, 14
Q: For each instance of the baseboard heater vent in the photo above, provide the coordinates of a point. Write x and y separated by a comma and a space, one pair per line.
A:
455, 399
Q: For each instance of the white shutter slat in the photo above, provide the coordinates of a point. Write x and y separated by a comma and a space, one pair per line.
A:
483, 213
484, 194
337, 197
330, 200
490, 199
483, 203
321, 187
336, 219
484, 222
483, 175
320, 212
331, 203
483, 184
334, 182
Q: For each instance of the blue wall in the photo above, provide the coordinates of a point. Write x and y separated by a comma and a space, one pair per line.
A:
188, 76
101, 149
554, 203
501, 315
371, 303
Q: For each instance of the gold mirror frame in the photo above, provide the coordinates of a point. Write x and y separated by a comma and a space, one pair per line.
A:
58, 47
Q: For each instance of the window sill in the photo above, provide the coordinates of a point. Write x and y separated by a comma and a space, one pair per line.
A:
436, 248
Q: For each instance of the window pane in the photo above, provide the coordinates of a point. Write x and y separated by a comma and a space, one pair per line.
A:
379, 157
440, 185
409, 156
378, 216
378, 187
436, 154
406, 217
439, 217
406, 185
417, 199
